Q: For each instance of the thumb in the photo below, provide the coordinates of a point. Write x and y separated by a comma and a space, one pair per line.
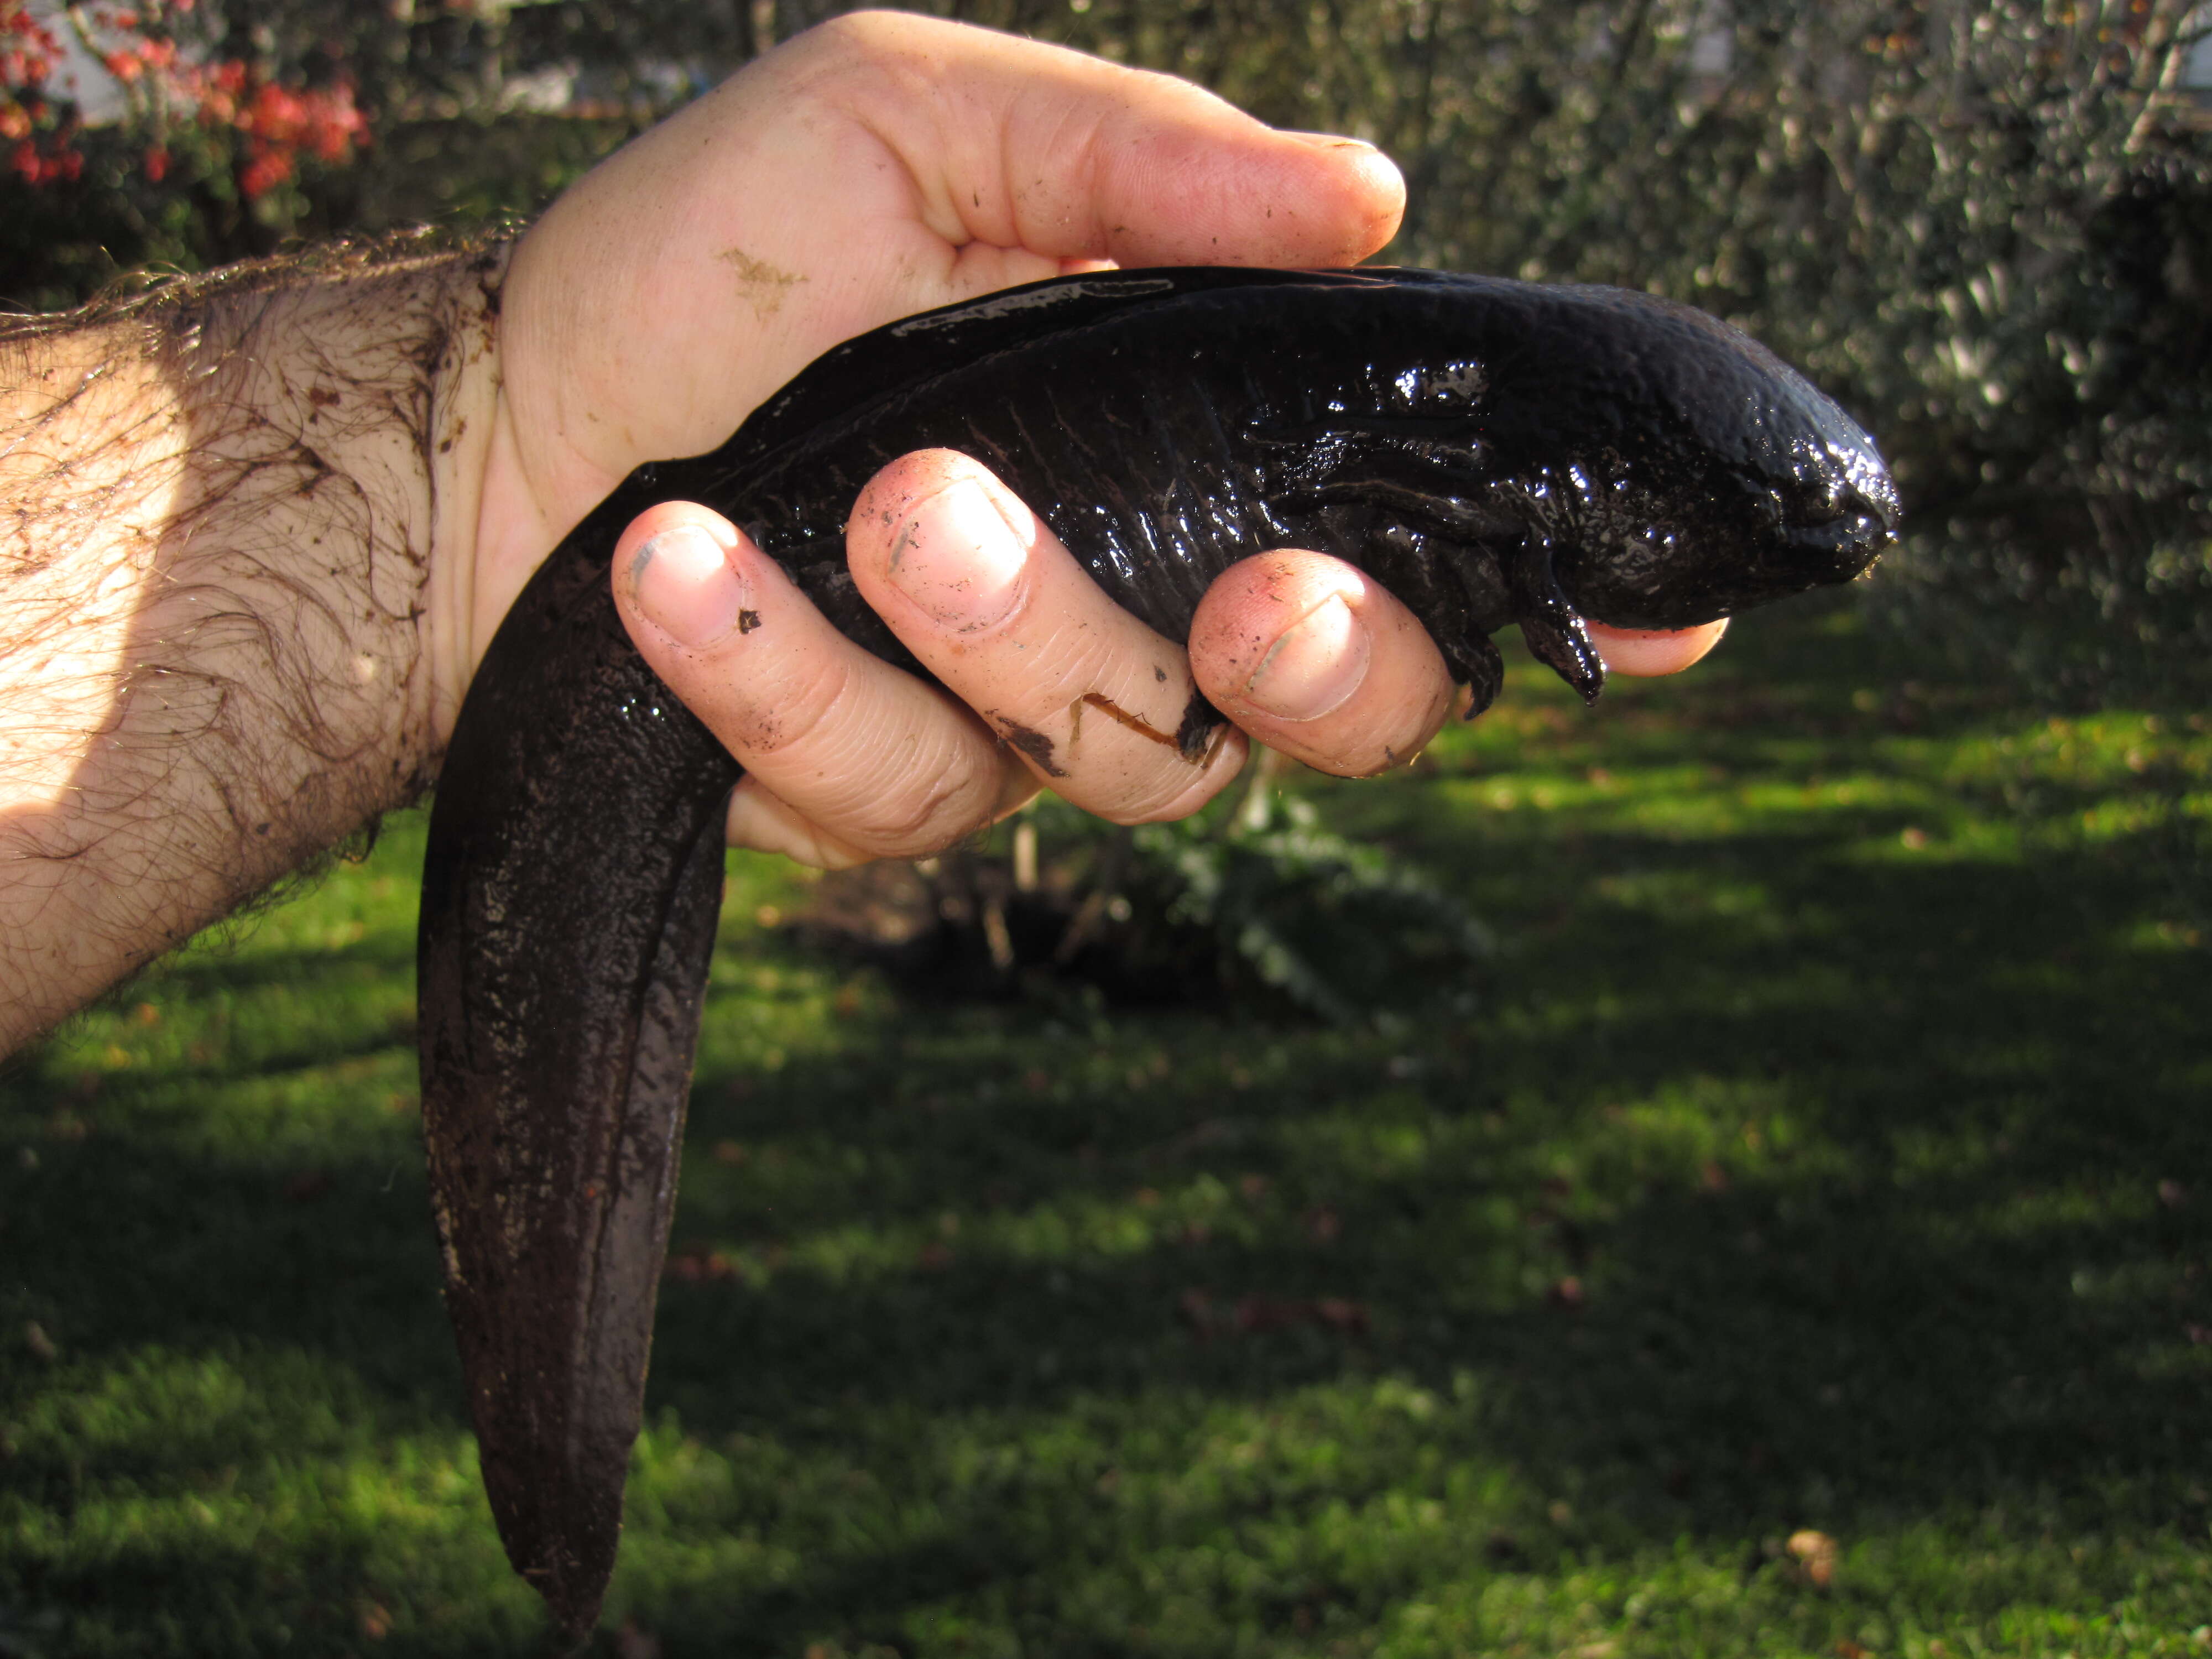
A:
1016, 144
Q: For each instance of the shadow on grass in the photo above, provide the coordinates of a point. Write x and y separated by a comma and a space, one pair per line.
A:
1786, 1180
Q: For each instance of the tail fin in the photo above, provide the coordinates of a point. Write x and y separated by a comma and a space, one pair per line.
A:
569, 901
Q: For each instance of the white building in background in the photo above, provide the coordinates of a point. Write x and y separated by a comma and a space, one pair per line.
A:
79, 76
2196, 68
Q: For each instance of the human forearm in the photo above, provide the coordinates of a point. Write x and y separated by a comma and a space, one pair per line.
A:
217, 592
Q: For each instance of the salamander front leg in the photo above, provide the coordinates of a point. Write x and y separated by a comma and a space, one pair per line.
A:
1554, 632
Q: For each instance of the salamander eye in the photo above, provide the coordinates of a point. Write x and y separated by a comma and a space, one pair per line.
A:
1447, 388
1807, 498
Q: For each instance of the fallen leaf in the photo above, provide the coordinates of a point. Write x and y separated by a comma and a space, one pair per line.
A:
1342, 1314
1256, 1313
308, 1186
700, 1264
1195, 1309
1505, 1550
41, 1346
1816, 1554
730, 1153
375, 1623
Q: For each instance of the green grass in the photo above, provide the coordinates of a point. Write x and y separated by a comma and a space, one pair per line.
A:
1831, 1152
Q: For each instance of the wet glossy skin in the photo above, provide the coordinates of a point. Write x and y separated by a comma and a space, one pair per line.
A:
1494, 453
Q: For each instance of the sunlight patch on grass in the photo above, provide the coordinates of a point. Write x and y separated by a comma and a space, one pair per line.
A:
1825, 1156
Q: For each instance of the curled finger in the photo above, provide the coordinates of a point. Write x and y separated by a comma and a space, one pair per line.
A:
871, 761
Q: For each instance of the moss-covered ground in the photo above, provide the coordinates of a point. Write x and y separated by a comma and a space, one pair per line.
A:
1805, 1248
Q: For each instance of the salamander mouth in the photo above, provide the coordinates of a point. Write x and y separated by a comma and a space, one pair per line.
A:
1697, 590
1833, 551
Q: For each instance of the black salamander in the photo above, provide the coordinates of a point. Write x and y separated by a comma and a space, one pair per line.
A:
1492, 451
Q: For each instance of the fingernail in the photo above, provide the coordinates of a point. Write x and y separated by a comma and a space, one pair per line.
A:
1326, 140
960, 558
1318, 662
684, 586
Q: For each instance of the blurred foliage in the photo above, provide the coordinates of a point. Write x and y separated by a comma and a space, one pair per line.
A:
1339, 928
1251, 904
1986, 224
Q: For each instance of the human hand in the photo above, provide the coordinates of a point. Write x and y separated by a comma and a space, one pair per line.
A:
848, 759
879, 167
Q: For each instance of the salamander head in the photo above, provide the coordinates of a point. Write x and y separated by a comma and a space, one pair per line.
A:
1745, 483
1688, 472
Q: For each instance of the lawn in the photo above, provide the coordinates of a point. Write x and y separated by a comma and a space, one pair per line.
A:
1802, 1249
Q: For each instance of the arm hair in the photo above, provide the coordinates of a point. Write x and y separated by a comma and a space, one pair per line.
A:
229, 512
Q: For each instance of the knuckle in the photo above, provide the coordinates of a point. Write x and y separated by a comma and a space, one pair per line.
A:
926, 814
926, 823
789, 709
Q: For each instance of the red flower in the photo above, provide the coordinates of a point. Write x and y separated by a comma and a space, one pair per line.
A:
19, 68
275, 114
34, 168
157, 163
265, 172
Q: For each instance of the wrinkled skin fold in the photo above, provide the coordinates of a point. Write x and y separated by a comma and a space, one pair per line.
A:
1492, 452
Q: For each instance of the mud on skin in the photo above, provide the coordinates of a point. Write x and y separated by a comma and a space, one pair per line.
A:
1493, 452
